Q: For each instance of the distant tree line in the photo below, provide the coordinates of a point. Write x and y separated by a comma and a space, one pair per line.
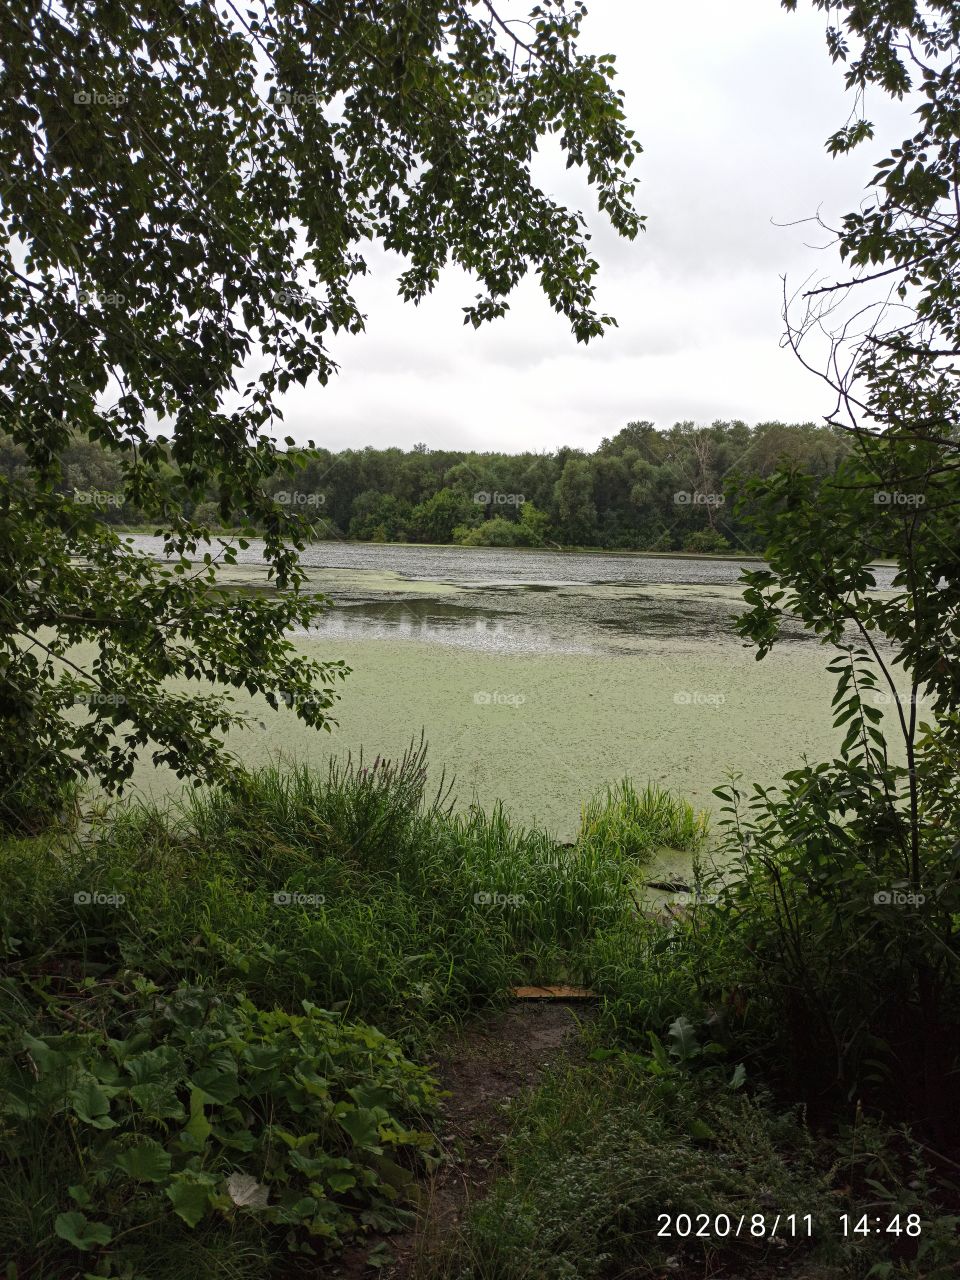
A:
642, 489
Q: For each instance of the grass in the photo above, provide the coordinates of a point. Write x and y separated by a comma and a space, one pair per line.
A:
354, 890
416, 916
622, 822
199, 931
601, 1151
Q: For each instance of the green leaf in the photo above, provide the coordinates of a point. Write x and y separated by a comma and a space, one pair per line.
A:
146, 1162
341, 1181
361, 1125
380, 1255
76, 1230
215, 1085
683, 1039
91, 1104
659, 1052
699, 1129
198, 1126
190, 1194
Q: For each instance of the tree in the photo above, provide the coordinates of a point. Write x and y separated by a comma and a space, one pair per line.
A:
534, 525
825, 858
188, 190
574, 497
436, 519
379, 517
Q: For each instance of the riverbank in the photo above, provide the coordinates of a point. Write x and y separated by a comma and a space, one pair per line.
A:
148, 530
223, 1029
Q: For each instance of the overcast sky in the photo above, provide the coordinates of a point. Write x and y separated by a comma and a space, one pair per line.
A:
732, 104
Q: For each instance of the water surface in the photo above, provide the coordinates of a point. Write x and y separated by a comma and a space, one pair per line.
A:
539, 677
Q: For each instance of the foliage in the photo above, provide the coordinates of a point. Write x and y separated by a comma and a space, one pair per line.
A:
852, 867
497, 532
709, 540
429, 495
216, 178
435, 519
407, 914
184, 1103
602, 1150
269, 916
294, 909
535, 524
635, 825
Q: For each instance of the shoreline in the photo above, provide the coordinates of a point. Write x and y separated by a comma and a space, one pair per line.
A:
149, 531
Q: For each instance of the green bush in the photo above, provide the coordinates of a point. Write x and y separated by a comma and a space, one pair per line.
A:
495, 532
178, 1106
709, 540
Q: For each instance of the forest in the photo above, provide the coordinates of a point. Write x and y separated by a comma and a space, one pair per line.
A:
642, 489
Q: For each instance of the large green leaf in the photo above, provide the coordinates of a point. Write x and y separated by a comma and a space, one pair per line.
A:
90, 1102
147, 1161
198, 1127
215, 1084
77, 1230
190, 1194
683, 1039
361, 1125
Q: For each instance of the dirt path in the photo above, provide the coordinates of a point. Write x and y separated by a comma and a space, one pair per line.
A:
483, 1067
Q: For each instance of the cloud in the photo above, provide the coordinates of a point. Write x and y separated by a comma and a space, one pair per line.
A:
733, 104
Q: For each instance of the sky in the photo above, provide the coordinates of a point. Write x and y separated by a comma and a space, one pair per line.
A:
732, 104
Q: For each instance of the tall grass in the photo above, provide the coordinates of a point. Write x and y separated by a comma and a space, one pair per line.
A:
621, 822
415, 915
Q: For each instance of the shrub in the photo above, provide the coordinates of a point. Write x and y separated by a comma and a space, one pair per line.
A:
601, 1151
496, 532
177, 1106
709, 540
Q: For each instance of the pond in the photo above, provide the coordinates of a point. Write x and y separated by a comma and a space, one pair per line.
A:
538, 676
